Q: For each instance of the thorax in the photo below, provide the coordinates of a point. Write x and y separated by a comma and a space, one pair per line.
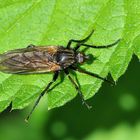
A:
65, 57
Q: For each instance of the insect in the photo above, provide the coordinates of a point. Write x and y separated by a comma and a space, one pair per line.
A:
44, 59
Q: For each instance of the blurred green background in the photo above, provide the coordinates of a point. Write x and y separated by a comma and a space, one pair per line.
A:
115, 115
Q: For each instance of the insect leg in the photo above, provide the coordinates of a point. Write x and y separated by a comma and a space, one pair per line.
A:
42, 93
97, 47
93, 75
79, 41
78, 89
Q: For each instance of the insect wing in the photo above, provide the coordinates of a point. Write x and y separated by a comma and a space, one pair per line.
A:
29, 60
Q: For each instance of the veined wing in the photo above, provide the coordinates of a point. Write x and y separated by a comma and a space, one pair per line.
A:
29, 60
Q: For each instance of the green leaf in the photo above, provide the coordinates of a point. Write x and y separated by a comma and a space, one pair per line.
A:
45, 22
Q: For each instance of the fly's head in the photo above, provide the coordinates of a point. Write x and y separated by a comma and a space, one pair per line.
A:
81, 57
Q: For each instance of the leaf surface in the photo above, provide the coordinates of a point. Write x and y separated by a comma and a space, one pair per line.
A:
45, 22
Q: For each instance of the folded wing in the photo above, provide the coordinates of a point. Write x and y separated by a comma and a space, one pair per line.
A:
29, 60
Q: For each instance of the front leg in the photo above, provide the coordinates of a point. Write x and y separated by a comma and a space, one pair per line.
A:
79, 41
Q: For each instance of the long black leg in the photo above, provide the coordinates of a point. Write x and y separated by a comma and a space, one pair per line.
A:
93, 75
96, 47
42, 93
78, 89
79, 41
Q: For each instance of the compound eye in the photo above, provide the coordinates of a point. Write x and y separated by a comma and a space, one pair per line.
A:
89, 58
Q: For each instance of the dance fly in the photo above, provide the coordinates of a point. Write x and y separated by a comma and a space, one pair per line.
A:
45, 59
